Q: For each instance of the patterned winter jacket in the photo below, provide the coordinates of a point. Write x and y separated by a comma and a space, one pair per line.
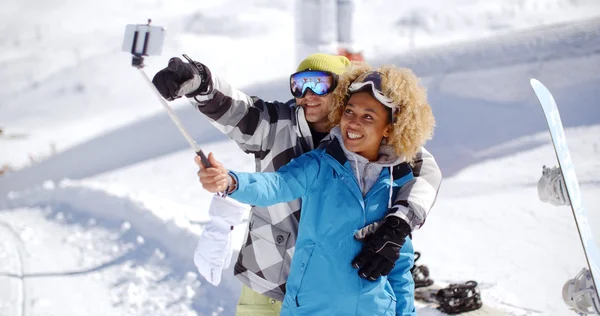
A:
275, 133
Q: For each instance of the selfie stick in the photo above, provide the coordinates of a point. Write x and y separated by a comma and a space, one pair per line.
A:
137, 61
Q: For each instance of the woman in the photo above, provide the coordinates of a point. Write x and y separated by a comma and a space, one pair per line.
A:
347, 183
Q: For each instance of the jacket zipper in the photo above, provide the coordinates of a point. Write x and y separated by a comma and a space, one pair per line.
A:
355, 179
365, 196
380, 188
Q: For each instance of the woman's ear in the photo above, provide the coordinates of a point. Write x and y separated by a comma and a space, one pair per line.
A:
387, 130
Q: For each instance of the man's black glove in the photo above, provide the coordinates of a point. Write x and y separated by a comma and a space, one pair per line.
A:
382, 242
180, 79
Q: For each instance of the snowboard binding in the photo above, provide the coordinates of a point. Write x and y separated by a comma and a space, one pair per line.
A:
551, 187
420, 273
459, 298
579, 294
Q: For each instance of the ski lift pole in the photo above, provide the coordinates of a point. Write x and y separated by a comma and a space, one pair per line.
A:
176, 120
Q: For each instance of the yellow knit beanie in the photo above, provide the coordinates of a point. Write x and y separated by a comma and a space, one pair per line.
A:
325, 62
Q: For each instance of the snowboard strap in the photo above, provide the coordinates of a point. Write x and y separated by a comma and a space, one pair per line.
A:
420, 273
459, 298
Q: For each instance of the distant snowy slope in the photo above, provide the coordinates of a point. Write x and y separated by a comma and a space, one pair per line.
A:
495, 101
405, 26
567, 40
124, 146
483, 86
67, 83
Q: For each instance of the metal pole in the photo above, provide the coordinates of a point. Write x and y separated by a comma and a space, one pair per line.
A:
176, 120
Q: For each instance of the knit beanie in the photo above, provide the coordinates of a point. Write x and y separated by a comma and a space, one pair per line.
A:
325, 62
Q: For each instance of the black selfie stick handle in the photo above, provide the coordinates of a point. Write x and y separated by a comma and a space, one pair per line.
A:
205, 161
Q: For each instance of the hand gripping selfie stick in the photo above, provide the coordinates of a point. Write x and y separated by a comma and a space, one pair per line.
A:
144, 40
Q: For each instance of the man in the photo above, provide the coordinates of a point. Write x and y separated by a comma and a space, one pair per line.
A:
275, 133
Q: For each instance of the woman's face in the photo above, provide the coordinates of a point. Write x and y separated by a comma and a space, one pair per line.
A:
364, 124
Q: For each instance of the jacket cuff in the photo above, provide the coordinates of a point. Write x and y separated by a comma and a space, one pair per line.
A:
237, 183
400, 211
206, 84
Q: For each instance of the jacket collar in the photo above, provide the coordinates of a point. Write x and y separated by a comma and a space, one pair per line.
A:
301, 126
334, 149
387, 154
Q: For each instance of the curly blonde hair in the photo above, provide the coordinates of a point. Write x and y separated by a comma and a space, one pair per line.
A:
413, 122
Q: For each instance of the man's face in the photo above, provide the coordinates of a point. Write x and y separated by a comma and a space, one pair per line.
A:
316, 108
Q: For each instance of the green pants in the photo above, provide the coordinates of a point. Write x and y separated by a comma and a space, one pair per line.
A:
252, 303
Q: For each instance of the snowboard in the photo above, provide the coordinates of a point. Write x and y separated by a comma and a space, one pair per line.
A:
563, 155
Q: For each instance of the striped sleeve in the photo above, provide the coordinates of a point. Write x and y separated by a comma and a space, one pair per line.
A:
250, 121
416, 198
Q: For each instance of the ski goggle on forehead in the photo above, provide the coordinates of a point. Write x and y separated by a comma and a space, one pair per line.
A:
319, 82
371, 82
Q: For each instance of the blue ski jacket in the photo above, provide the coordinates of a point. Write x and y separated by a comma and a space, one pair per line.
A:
322, 280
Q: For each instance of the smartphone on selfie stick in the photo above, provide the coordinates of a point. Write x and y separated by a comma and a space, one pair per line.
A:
145, 40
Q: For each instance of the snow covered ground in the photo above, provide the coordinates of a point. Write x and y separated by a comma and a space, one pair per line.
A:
118, 238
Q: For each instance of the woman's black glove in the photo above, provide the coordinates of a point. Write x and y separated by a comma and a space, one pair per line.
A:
382, 243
